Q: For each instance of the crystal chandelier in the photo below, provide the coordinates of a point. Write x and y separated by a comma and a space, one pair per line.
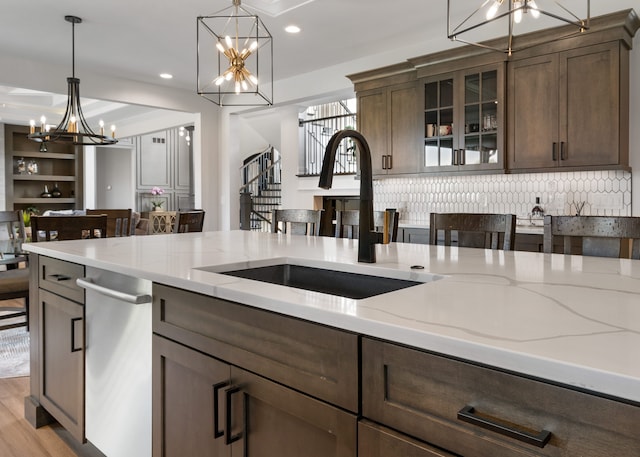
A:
73, 128
512, 12
239, 72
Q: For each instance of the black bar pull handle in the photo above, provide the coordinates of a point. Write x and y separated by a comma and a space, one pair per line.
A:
217, 433
463, 159
73, 334
466, 414
455, 157
563, 151
390, 162
60, 277
228, 393
554, 151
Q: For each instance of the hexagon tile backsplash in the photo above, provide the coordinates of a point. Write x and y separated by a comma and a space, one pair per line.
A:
604, 193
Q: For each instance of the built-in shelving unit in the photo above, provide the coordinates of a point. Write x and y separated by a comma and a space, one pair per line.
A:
28, 171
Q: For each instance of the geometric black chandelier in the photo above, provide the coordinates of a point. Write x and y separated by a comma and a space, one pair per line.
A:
73, 128
511, 13
234, 58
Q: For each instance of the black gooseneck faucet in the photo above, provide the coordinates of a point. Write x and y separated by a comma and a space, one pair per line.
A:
367, 237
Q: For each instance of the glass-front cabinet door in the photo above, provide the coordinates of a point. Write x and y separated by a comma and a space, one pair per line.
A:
439, 125
463, 117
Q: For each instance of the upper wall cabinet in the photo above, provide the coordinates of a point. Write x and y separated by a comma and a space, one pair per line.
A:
569, 109
560, 103
387, 119
463, 120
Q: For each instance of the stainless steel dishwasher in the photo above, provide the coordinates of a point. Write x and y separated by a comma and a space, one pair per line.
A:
117, 363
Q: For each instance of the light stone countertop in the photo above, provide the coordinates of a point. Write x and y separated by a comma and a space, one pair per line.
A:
569, 319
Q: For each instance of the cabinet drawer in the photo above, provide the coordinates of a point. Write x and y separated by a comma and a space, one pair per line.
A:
422, 394
59, 277
61, 370
318, 360
377, 441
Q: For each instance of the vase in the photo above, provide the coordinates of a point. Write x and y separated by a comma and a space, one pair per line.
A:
55, 192
157, 208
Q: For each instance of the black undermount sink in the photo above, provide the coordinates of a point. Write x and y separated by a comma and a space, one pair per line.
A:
340, 283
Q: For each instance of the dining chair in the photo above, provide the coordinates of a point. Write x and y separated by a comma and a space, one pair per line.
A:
14, 277
189, 221
488, 231
296, 221
599, 236
119, 221
47, 228
348, 222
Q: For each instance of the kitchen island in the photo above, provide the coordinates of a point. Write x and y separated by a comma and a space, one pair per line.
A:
568, 321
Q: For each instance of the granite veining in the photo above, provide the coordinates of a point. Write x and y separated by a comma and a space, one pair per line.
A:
568, 319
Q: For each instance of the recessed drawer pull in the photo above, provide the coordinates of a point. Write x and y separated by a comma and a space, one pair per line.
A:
466, 414
59, 277
73, 334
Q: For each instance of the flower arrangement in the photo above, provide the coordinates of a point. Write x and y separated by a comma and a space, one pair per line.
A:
156, 191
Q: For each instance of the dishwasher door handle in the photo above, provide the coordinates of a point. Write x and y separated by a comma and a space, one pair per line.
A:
87, 283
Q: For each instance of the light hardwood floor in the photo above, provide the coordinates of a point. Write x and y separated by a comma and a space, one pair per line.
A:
19, 439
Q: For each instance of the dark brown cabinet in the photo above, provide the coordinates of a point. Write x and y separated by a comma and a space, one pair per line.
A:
377, 441
188, 399
563, 104
248, 382
476, 411
567, 109
387, 119
207, 407
464, 119
60, 327
413, 235
62, 364
271, 420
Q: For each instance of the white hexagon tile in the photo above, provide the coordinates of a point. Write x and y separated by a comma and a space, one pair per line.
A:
604, 193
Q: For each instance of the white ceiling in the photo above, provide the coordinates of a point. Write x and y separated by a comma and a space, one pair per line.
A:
138, 39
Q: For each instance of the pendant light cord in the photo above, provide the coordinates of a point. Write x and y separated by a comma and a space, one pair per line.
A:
74, 20
73, 49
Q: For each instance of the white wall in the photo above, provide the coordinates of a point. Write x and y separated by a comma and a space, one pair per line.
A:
18, 72
115, 182
634, 124
3, 187
249, 133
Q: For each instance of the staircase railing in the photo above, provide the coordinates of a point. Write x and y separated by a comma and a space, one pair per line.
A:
257, 174
317, 133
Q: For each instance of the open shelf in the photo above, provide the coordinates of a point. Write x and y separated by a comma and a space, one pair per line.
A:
60, 166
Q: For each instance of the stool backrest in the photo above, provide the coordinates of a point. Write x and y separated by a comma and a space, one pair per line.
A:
119, 221
296, 221
488, 231
600, 236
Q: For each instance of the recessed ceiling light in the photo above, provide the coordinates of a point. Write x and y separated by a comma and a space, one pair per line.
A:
292, 29
166, 75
